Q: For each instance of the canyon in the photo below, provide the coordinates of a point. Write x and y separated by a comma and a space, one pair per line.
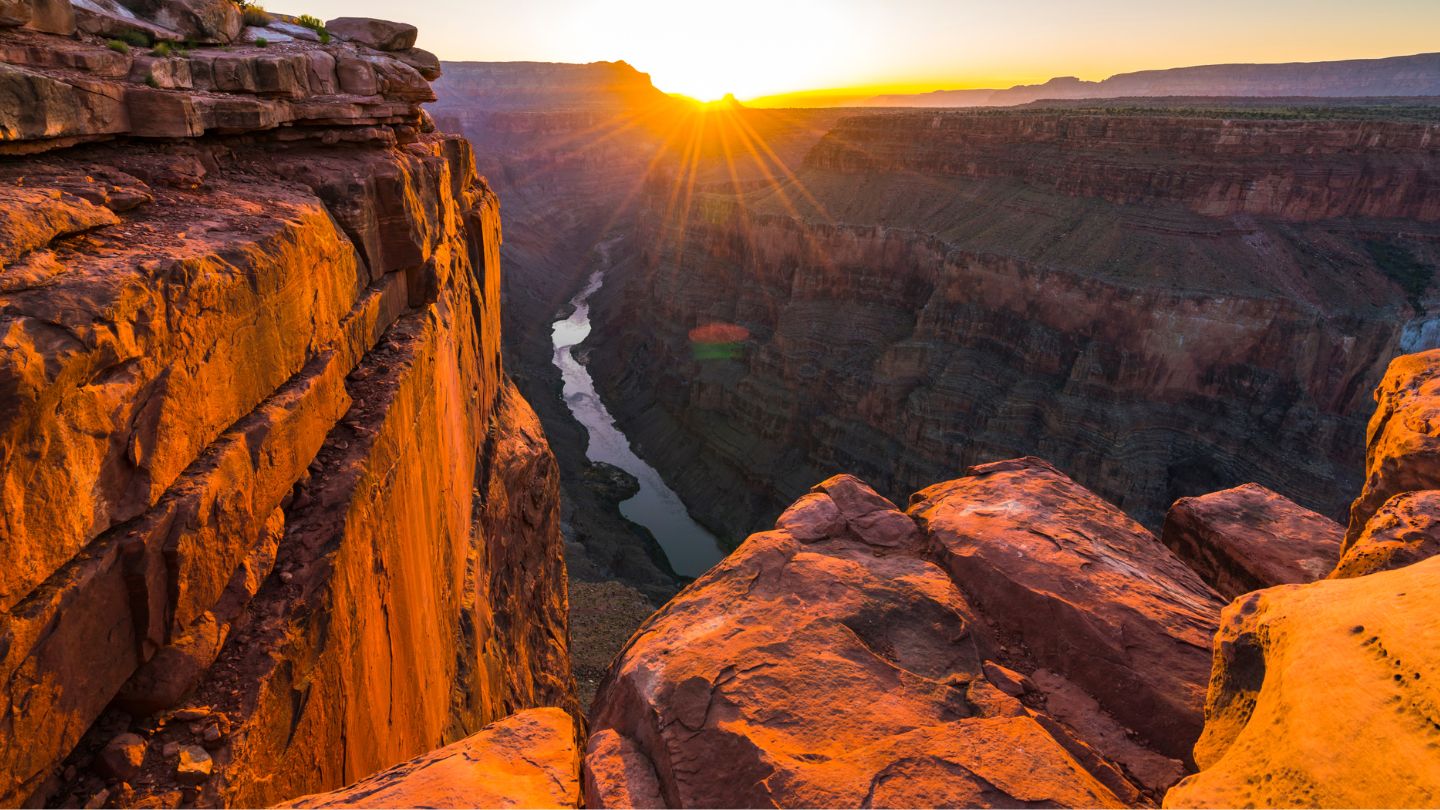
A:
1070, 457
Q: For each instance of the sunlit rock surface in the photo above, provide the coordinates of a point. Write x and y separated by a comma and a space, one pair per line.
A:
858, 654
1324, 695
529, 759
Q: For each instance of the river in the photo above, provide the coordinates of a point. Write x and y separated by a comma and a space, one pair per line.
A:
690, 548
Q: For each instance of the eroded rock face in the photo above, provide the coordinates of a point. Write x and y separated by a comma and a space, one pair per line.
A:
1324, 695
857, 654
529, 759
262, 470
1247, 538
70, 90
1404, 531
1085, 589
1402, 445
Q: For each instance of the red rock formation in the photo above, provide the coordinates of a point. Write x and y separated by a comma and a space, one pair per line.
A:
1247, 538
262, 471
852, 657
529, 759
1088, 591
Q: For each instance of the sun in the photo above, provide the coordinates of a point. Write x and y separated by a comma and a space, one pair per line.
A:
746, 47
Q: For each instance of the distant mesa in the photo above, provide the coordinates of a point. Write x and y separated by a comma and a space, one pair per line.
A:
1417, 75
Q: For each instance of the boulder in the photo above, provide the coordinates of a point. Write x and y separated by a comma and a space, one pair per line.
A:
528, 759
1089, 592
202, 21
1402, 442
427, 63
831, 662
1324, 695
108, 18
382, 35
1247, 538
1405, 531
122, 757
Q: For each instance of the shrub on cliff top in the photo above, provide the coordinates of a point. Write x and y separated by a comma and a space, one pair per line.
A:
118, 46
256, 15
314, 24
262, 42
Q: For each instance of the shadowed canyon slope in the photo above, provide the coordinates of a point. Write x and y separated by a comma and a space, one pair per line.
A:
274, 516
1163, 305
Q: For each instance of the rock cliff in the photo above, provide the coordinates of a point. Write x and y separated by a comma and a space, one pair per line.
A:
1163, 305
275, 516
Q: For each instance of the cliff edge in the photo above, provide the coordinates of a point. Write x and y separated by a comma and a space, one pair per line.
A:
275, 518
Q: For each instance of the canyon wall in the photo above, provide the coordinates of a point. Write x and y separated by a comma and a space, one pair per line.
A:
276, 517
1162, 306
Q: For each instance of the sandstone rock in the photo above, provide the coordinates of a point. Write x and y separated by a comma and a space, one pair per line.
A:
1403, 532
251, 33
828, 663
1402, 443
1091, 594
293, 30
427, 63
41, 107
122, 757
109, 18
1248, 538
52, 17
30, 218
528, 759
194, 766
381, 35
14, 12
1324, 695
210, 21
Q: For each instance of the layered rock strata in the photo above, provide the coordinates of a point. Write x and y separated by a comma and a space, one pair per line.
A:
1247, 538
1163, 305
1070, 674
273, 509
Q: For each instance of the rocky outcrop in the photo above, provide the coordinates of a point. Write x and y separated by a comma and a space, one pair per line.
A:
64, 91
1402, 447
858, 655
1404, 531
1324, 695
528, 759
1321, 695
274, 514
1138, 298
1247, 538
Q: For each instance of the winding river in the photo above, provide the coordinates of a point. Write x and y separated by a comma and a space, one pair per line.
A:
690, 548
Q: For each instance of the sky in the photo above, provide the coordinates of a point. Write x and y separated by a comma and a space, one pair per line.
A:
755, 48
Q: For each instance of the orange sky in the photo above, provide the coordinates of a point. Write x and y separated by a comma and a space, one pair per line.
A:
762, 47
